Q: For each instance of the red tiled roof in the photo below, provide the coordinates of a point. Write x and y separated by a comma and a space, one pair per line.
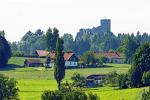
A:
67, 55
42, 53
117, 55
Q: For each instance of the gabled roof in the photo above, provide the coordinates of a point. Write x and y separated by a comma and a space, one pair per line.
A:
96, 76
116, 55
42, 53
67, 55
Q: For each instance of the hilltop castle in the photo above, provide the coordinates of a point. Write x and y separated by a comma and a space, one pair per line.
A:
105, 27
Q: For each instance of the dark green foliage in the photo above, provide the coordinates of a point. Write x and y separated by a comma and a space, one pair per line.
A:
128, 47
59, 67
146, 78
27, 35
29, 43
78, 80
8, 89
68, 95
81, 46
59, 95
112, 78
14, 47
140, 65
51, 95
146, 95
51, 39
5, 51
76, 95
92, 96
122, 81
2, 33
18, 54
92, 60
69, 44
67, 87
88, 58
100, 60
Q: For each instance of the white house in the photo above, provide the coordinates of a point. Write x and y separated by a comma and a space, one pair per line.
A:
113, 57
71, 60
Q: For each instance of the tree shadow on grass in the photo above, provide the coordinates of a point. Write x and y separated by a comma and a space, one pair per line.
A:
104, 66
11, 67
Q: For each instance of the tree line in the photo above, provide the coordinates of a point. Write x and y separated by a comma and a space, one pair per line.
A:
87, 41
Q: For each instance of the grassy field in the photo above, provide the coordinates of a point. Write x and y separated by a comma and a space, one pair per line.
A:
33, 81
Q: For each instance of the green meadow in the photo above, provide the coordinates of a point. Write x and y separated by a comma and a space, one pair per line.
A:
32, 81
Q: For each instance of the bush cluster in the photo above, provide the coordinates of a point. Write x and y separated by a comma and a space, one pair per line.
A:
146, 95
8, 89
73, 95
146, 78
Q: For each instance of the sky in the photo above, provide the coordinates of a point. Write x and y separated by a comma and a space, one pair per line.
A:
19, 16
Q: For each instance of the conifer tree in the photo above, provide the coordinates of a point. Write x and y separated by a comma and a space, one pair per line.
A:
59, 69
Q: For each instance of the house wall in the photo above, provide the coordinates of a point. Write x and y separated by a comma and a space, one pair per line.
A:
67, 64
119, 61
71, 64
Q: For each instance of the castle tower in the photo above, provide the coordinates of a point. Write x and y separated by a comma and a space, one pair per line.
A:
106, 25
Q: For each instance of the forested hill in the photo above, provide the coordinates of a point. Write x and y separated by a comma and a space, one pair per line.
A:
95, 39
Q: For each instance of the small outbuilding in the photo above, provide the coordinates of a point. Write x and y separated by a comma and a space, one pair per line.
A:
95, 80
33, 62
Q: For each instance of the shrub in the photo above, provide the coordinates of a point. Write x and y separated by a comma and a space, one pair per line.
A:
112, 78
146, 95
92, 96
8, 89
146, 78
18, 54
122, 81
78, 80
51, 95
59, 95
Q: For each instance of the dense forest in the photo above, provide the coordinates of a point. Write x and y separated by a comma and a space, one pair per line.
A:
85, 40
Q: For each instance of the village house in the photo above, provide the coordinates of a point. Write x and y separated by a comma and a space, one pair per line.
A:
71, 60
41, 53
112, 57
95, 80
33, 62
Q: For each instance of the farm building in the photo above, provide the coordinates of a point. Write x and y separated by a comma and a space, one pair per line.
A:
112, 57
71, 60
95, 80
33, 62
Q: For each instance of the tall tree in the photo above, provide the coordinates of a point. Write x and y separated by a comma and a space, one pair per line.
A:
5, 51
128, 47
51, 38
140, 65
59, 71
68, 42
55, 37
